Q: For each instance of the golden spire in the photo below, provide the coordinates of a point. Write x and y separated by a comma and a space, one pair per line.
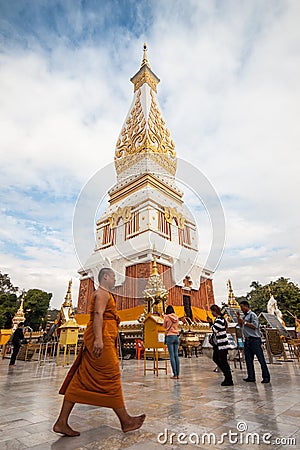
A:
270, 292
19, 316
231, 297
145, 74
145, 61
145, 130
68, 297
154, 267
21, 309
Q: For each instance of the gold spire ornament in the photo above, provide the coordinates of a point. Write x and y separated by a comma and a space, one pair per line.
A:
155, 294
68, 297
19, 316
231, 297
270, 292
145, 130
154, 267
66, 311
145, 61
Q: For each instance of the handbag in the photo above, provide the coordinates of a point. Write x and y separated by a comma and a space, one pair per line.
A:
213, 340
72, 372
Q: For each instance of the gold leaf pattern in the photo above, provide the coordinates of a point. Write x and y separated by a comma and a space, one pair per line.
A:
140, 136
124, 213
170, 213
145, 77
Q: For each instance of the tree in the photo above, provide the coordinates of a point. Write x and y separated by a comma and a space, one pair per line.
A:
6, 286
284, 291
8, 301
36, 306
8, 307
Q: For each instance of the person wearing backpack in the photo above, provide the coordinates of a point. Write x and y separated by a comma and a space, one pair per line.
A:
220, 344
16, 341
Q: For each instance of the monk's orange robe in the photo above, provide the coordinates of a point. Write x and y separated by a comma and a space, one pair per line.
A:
97, 381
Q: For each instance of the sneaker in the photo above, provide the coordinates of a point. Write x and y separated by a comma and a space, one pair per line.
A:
249, 380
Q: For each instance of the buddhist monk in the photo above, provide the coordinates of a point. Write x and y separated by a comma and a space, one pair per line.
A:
96, 379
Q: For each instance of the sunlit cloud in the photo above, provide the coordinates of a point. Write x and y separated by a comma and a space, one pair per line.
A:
229, 92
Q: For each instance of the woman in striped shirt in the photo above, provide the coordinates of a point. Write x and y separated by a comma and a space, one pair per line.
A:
220, 344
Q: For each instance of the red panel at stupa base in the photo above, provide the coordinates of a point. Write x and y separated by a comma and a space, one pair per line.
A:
86, 289
130, 293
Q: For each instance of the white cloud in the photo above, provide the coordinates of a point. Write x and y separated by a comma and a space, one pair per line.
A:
230, 94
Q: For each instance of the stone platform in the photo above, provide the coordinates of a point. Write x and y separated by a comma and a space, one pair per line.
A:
194, 405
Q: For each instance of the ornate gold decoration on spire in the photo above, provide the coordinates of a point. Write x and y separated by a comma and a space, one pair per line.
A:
19, 316
155, 294
145, 130
145, 61
21, 309
66, 311
68, 297
231, 297
270, 292
154, 267
145, 74
140, 136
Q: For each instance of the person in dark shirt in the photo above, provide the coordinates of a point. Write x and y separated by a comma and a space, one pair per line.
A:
16, 341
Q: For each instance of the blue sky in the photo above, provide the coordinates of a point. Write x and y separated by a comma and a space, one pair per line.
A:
229, 92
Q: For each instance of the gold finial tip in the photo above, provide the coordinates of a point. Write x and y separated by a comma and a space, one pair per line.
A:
145, 61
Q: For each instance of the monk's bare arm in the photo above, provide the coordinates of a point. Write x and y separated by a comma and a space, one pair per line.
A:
101, 300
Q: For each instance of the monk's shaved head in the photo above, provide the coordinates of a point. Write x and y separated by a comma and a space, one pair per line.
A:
104, 271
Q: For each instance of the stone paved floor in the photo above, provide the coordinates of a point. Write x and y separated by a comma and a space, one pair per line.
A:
196, 404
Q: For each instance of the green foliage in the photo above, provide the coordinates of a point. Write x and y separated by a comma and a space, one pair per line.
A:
8, 301
8, 307
284, 291
6, 286
36, 306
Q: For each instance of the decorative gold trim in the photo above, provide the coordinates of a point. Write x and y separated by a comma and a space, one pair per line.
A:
170, 213
158, 132
141, 182
124, 213
145, 76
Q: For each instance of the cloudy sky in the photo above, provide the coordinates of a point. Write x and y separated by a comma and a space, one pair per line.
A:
229, 91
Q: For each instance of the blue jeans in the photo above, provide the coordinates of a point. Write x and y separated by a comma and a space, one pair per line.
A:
253, 347
172, 342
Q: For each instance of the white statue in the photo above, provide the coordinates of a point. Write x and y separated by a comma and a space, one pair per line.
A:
272, 305
272, 308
